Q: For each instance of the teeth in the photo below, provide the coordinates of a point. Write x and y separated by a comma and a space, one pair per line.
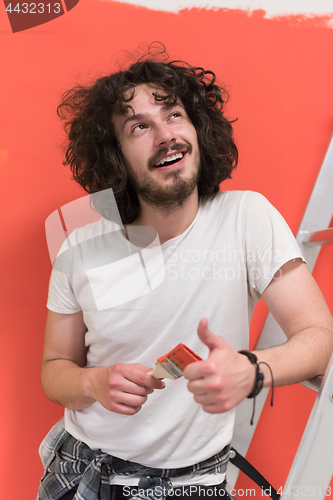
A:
168, 159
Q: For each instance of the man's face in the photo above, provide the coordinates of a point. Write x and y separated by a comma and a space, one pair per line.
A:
160, 146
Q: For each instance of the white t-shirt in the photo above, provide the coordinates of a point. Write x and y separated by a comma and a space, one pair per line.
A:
217, 269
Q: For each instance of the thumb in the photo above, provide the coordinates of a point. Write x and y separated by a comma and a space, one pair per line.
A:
209, 338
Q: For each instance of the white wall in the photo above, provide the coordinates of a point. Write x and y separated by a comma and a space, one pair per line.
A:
271, 7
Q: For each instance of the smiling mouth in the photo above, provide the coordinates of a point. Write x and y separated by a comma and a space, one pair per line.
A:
169, 160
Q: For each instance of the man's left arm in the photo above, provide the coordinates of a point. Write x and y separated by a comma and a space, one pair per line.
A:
295, 300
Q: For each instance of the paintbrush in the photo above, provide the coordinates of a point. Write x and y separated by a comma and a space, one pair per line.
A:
172, 364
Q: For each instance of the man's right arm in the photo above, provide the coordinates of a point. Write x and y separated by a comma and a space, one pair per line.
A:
121, 388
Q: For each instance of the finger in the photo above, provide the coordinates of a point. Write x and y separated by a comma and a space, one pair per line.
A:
156, 383
127, 399
203, 399
138, 375
124, 403
212, 408
197, 386
125, 409
139, 390
149, 381
123, 380
209, 338
199, 370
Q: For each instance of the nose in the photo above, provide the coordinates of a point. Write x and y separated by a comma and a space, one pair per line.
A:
164, 135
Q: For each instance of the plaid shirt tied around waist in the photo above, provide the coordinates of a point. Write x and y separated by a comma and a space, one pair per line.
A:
72, 464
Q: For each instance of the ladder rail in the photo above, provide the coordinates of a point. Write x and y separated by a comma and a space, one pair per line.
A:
319, 211
316, 448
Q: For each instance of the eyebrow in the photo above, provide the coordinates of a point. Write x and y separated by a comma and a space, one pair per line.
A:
142, 116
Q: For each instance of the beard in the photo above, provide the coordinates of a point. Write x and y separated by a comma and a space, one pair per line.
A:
166, 198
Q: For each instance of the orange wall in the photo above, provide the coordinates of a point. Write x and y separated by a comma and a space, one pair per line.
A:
280, 77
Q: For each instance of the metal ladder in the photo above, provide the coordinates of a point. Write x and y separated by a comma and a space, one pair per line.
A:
312, 469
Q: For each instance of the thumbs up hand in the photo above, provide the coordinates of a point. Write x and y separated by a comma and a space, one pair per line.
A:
224, 379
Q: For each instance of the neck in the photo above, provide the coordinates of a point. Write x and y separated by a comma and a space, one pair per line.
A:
169, 223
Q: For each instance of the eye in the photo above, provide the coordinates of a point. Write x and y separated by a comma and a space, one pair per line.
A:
176, 114
138, 127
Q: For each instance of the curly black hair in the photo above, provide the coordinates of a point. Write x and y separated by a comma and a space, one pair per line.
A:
93, 152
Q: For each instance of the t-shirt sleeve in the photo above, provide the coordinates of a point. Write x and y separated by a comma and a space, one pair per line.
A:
61, 297
269, 242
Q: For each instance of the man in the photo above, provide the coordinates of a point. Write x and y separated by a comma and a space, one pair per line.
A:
157, 136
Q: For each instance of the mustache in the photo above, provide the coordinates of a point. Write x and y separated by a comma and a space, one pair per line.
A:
164, 151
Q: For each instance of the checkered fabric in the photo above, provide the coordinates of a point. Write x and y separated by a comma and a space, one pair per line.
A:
73, 464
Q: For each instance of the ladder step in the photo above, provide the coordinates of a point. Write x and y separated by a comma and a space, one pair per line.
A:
313, 383
317, 237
